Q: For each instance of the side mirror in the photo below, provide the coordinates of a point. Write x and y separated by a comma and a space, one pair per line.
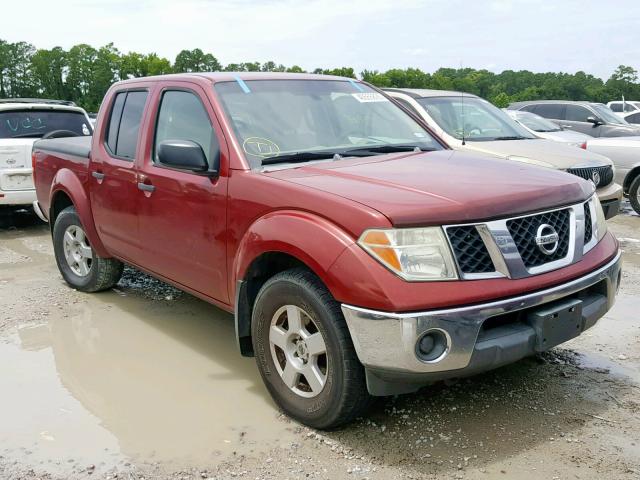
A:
594, 120
182, 154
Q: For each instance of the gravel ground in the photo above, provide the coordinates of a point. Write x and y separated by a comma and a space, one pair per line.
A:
130, 383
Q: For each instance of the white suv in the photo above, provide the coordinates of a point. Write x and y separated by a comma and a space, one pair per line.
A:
22, 122
622, 108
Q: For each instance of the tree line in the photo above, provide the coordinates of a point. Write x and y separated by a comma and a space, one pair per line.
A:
84, 73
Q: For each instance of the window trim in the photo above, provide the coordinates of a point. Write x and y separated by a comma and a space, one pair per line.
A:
152, 152
126, 91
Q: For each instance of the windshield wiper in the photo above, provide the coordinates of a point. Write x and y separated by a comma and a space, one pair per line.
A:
385, 149
296, 157
512, 137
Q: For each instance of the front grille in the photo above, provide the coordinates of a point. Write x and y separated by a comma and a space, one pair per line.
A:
524, 231
588, 226
469, 249
604, 174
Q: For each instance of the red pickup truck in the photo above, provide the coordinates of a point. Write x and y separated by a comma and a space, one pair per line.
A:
360, 255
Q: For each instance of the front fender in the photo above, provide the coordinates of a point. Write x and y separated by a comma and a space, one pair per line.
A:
312, 239
67, 182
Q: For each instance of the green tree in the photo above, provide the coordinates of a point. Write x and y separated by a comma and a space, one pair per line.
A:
49, 67
196, 61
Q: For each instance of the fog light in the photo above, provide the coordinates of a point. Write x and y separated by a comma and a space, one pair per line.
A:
433, 346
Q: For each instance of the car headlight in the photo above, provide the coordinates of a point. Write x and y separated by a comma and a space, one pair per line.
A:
415, 254
601, 221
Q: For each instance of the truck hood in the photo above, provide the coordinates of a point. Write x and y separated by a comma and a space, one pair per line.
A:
539, 151
443, 187
15, 152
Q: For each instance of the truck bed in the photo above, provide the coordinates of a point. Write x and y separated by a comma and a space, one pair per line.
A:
75, 146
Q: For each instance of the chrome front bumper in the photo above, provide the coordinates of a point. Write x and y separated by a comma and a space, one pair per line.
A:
387, 341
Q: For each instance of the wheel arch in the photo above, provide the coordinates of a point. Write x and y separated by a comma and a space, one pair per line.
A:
274, 243
629, 178
66, 191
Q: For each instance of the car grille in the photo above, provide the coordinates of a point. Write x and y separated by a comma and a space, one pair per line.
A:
524, 230
588, 225
470, 251
604, 174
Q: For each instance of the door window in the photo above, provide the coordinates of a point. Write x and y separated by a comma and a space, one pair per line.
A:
616, 107
124, 123
182, 116
549, 110
577, 113
635, 118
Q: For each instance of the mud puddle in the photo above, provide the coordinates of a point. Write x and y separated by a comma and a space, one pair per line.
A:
120, 378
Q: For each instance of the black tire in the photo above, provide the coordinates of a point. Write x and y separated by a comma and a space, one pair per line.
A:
344, 395
634, 194
103, 273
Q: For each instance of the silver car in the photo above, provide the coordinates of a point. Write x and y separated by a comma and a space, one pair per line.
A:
468, 122
594, 119
625, 154
544, 128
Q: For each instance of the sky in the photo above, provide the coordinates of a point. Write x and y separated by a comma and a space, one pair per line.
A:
560, 35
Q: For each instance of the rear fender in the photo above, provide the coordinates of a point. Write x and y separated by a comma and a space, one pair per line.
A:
67, 182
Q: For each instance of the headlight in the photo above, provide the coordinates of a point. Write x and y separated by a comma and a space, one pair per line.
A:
415, 254
601, 221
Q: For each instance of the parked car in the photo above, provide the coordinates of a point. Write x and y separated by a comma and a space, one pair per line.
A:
632, 118
623, 107
359, 254
625, 153
22, 122
593, 119
543, 128
487, 129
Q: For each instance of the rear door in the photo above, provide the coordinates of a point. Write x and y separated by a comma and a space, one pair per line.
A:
113, 174
182, 214
575, 118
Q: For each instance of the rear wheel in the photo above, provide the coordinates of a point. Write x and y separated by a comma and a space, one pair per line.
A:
78, 263
304, 351
634, 194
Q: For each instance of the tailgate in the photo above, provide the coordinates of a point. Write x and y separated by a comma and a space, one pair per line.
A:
15, 155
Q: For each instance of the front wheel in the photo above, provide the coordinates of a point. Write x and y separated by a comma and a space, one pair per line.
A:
304, 351
634, 194
79, 265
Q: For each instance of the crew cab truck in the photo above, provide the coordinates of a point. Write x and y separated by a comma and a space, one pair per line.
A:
359, 254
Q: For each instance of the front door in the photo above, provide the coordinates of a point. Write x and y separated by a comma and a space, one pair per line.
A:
182, 214
575, 118
113, 175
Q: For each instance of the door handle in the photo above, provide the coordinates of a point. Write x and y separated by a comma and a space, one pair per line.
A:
566, 126
145, 187
97, 175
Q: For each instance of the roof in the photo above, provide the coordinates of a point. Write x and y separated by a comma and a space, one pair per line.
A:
535, 102
425, 92
40, 101
234, 76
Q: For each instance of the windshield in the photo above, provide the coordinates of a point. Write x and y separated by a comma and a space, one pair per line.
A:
315, 119
536, 123
608, 115
482, 121
36, 123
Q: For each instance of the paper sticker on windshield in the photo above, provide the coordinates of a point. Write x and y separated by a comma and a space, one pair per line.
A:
260, 147
369, 97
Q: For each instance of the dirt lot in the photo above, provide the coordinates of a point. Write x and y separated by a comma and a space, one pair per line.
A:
145, 382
